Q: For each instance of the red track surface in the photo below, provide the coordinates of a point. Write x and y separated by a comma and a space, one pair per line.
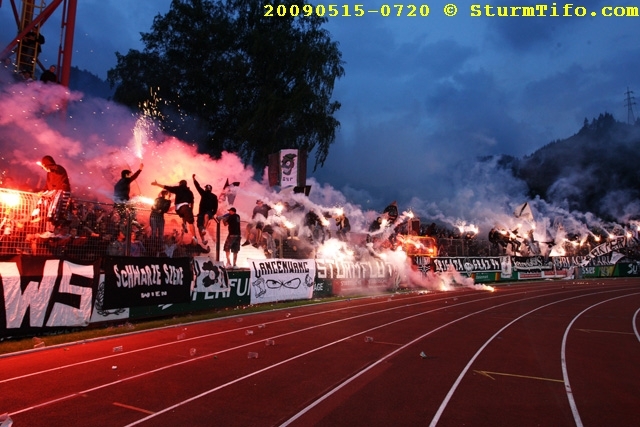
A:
538, 354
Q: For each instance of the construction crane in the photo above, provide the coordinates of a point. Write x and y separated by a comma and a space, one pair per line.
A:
30, 17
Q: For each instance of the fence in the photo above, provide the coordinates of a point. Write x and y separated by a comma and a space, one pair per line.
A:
52, 224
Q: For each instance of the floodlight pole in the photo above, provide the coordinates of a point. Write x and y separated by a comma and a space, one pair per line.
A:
68, 24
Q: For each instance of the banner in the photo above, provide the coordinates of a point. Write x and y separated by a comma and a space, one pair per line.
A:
140, 281
422, 264
101, 314
607, 247
211, 276
323, 288
40, 293
531, 264
506, 270
628, 269
350, 277
235, 295
485, 277
467, 264
281, 279
288, 168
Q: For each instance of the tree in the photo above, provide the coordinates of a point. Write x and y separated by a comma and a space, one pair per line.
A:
257, 83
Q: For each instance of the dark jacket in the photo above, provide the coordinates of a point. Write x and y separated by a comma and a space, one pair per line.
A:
123, 187
48, 76
233, 222
208, 200
57, 179
183, 194
160, 206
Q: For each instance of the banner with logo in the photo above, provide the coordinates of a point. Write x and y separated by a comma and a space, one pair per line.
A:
468, 264
212, 297
281, 279
101, 314
351, 277
40, 293
532, 264
210, 275
422, 264
140, 281
605, 248
288, 168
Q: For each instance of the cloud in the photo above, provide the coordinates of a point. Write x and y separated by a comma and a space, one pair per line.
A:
523, 35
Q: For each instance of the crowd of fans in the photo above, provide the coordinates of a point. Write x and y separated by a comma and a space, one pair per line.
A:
91, 230
62, 226
88, 231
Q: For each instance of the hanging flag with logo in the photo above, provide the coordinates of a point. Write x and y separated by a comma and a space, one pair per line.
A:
288, 168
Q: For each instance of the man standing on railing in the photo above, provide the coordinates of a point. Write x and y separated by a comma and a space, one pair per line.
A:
161, 206
122, 189
184, 205
232, 243
342, 222
122, 197
58, 190
259, 215
207, 208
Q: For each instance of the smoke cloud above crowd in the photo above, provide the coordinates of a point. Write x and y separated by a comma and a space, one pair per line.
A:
95, 139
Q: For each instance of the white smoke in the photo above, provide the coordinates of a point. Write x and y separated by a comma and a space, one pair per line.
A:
94, 139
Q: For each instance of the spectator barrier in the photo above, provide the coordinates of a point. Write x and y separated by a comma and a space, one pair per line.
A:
42, 294
60, 275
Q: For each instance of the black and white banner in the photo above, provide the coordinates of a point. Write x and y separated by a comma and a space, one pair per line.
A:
140, 281
604, 249
281, 279
609, 259
210, 275
467, 264
335, 269
354, 277
535, 263
40, 293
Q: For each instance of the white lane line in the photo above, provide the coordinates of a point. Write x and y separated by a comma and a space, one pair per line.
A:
205, 393
362, 372
193, 359
84, 362
133, 408
563, 354
447, 398
72, 395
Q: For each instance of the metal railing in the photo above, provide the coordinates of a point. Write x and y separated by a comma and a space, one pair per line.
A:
51, 224
46, 224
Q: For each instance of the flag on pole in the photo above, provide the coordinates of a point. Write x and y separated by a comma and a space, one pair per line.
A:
228, 192
524, 211
288, 168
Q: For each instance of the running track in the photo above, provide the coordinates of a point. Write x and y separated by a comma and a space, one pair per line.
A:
562, 353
